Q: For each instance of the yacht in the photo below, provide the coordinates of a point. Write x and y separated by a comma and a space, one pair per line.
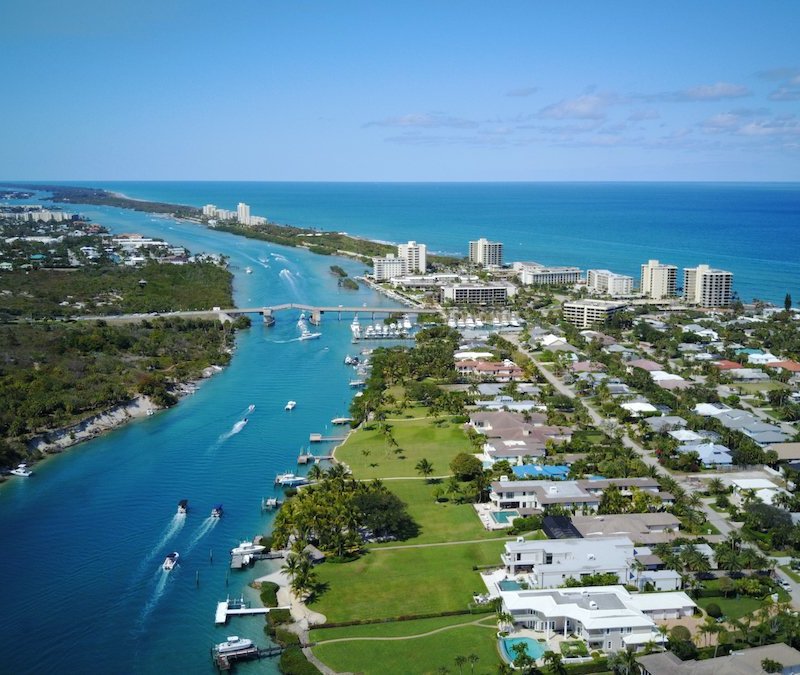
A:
217, 512
290, 405
248, 270
341, 420
247, 548
406, 322
233, 644
22, 470
290, 480
306, 334
478, 323
170, 561
183, 506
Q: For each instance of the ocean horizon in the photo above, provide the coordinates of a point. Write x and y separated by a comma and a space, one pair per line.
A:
750, 229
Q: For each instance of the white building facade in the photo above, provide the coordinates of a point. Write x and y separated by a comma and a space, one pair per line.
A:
707, 287
486, 253
587, 312
536, 274
415, 256
389, 267
478, 294
609, 283
658, 281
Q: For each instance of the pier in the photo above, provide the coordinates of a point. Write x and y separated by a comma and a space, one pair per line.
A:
238, 560
239, 607
308, 458
320, 438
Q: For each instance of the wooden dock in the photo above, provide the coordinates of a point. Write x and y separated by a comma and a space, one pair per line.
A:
237, 561
320, 438
224, 662
313, 459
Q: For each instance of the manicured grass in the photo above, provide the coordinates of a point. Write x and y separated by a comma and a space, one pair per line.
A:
732, 607
397, 628
754, 387
438, 521
418, 655
418, 438
388, 583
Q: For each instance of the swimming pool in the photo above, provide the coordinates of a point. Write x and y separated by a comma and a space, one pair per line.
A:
535, 648
509, 585
502, 517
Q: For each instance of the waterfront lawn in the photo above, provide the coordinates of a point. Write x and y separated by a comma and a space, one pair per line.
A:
732, 608
419, 655
393, 582
438, 521
369, 454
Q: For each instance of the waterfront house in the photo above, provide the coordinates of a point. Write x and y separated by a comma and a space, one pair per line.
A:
739, 662
608, 618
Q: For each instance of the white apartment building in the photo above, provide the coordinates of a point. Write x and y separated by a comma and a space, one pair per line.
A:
608, 618
658, 281
243, 213
609, 283
389, 267
224, 214
478, 294
486, 253
415, 256
210, 210
532, 273
707, 287
587, 312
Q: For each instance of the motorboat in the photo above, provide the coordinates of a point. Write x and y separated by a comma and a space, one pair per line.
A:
233, 644
406, 322
290, 405
217, 511
290, 480
183, 506
306, 334
341, 420
248, 270
22, 470
272, 503
357, 383
247, 548
171, 560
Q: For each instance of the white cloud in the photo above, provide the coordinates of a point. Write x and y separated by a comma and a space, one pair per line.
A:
586, 107
714, 92
425, 121
721, 122
785, 94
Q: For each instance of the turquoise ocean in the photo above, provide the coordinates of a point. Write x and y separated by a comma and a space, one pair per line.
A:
81, 542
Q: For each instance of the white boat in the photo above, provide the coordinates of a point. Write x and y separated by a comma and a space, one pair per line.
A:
22, 470
217, 511
306, 334
248, 270
290, 405
341, 420
406, 322
183, 506
290, 479
247, 548
478, 323
357, 383
233, 644
171, 560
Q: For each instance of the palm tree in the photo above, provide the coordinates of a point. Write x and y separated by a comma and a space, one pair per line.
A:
461, 661
624, 662
424, 468
716, 486
316, 473
557, 666
473, 659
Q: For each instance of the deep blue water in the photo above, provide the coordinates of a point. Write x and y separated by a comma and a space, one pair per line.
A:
753, 230
82, 540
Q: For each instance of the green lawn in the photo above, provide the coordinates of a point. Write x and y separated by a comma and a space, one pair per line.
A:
438, 521
397, 628
419, 655
755, 387
418, 438
732, 608
792, 574
387, 583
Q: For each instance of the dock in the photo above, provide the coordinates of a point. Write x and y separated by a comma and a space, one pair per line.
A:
308, 458
320, 438
239, 607
238, 562
224, 662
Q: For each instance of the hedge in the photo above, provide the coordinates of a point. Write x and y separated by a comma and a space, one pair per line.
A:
269, 594
294, 662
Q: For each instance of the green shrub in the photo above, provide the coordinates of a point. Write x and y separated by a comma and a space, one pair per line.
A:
294, 662
679, 633
269, 594
285, 638
713, 610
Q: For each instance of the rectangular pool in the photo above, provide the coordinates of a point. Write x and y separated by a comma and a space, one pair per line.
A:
502, 517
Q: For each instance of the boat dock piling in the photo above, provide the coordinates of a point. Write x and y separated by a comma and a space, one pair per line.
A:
319, 438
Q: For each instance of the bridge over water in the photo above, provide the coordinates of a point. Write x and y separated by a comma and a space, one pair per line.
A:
315, 312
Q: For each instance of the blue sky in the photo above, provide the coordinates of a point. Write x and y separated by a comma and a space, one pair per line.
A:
431, 90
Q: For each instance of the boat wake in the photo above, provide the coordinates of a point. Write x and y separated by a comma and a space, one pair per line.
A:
162, 576
279, 257
175, 525
289, 278
205, 527
235, 429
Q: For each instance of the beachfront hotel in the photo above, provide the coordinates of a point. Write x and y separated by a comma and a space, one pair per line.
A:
707, 287
478, 294
243, 213
536, 274
586, 312
389, 267
415, 256
658, 281
607, 282
486, 253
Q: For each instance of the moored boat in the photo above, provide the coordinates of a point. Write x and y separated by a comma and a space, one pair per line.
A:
21, 470
233, 644
247, 548
290, 480
171, 560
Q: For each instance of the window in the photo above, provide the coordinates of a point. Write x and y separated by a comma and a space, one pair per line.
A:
608, 644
